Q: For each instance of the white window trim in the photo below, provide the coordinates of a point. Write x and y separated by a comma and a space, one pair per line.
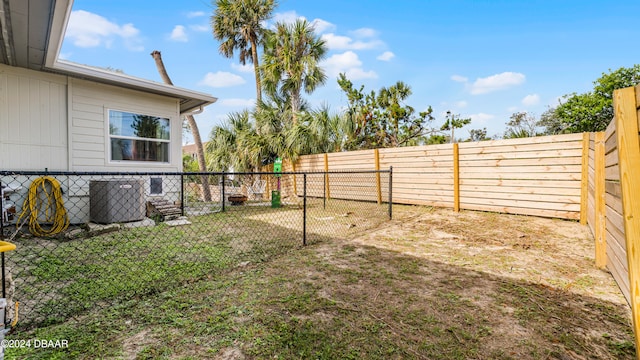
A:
133, 163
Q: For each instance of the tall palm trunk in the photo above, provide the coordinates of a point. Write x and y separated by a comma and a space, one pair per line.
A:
295, 106
206, 191
256, 69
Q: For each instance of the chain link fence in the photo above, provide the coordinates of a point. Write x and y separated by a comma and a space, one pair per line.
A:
93, 240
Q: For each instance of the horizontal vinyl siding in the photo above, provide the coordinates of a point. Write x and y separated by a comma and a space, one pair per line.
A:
90, 104
33, 120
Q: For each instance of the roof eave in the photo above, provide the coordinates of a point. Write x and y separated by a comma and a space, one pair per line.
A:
189, 99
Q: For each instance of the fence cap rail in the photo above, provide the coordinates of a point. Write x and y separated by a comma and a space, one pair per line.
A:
217, 173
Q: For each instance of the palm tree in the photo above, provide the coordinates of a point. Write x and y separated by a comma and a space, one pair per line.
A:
238, 25
235, 145
193, 126
291, 62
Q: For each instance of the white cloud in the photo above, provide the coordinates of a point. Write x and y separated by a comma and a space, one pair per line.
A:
496, 82
339, 42
193, 14
200, 28
86, 29
238, 102
322, 26
460, 104
64, 56
481, 118
359, 74
246, 68
179, 34
530, 100
459, 78
364, 33
512, 109
288, 17
349, 63
221, 79
386, 56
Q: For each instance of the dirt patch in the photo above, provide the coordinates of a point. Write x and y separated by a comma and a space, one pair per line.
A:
133, 345
550, 252
436, 284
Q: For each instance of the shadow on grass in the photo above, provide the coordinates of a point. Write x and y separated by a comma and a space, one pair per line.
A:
338, 300
57, 279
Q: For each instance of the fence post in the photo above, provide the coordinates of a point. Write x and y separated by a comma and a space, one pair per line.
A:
626, 118
1, 217
390, 192
376, 158
324, 192
326, 175
584, 184
295, 182
599, 199
182, 194
304, 209
456, 178
222, 191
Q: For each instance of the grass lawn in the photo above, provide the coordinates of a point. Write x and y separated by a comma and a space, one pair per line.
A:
429, 285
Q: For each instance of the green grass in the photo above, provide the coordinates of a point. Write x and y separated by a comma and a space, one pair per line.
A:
238, 292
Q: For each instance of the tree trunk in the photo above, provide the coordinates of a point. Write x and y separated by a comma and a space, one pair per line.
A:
206, 191
256, 69
295, 106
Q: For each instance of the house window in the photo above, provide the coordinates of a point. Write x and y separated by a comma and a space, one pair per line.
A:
155, 186
136, 137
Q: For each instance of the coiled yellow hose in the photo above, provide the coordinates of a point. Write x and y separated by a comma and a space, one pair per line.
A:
54, 210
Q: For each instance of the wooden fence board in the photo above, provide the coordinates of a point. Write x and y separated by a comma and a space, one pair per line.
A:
518, 141
572, 184
524, 169
612, 172
524, 204
571, 215
575, 191
520, 176
614, 202
519, 196
521, 162
527, 155
489, 149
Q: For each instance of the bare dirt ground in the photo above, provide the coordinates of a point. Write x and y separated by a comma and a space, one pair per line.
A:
534, 279
430, 284
551, 252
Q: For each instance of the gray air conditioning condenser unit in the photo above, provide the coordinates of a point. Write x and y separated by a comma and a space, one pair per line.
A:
116, 200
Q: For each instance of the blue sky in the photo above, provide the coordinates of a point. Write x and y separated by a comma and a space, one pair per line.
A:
479, 59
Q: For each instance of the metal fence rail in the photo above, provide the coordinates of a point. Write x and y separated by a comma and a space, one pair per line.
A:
123, 236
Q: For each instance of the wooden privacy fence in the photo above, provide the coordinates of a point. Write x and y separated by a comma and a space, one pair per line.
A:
591, 177
614, 197
539, 176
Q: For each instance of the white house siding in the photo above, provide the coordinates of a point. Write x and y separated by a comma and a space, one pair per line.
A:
90, 103
33, 120
40, 128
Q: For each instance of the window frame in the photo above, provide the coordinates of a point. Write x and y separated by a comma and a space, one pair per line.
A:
109, 136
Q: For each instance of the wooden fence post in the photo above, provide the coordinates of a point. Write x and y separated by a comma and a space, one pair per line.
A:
626, 117
326, 176
584, 184
456, 178
295, 182
376, 155
599, 198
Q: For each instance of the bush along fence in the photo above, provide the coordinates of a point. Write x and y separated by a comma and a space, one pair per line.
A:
91, 240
